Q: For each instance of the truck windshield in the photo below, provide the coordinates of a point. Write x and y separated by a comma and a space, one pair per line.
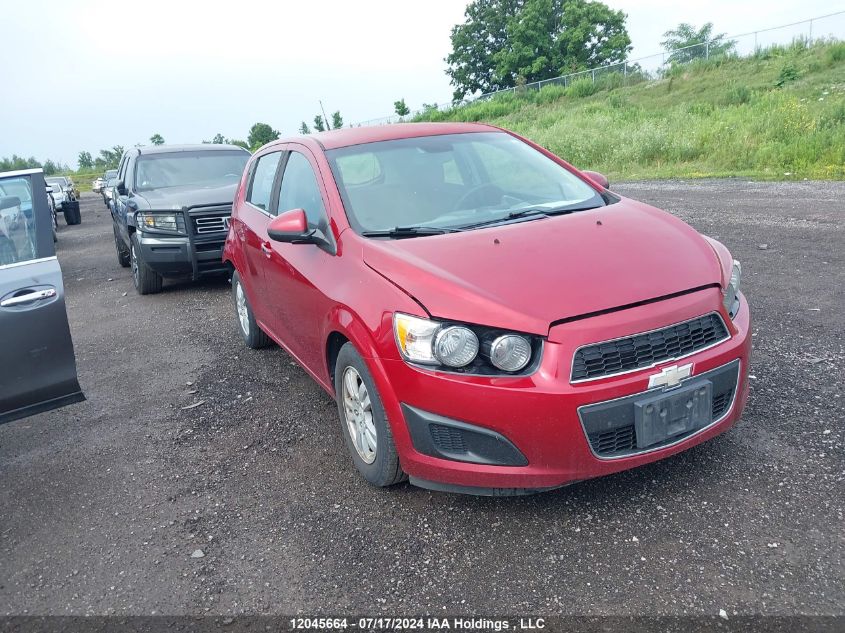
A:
453, 181
200, 169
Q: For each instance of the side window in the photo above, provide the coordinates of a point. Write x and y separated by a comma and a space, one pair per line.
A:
300, 190
261, 187
17, 221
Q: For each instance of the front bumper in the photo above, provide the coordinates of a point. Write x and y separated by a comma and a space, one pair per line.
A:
197, 254
539, 414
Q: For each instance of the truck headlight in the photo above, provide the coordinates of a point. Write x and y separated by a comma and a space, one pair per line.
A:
731, 301
161, 222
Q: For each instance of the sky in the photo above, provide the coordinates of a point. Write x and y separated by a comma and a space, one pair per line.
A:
92, 74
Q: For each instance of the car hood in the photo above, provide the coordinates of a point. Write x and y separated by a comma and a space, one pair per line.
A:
526, 275
187, 196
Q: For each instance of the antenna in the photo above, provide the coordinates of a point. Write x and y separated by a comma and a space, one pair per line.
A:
325, 118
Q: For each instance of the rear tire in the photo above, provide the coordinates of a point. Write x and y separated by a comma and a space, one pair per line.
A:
73, 216
123, 255
145, 279
363, 420
254, 337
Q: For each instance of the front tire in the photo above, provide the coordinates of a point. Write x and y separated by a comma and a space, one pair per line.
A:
254, 337
146, 280
364, 422
123, 255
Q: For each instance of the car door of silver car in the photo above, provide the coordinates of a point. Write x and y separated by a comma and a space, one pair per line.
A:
37, 364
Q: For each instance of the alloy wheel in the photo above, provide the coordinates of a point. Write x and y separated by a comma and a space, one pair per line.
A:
358, 411
243, 312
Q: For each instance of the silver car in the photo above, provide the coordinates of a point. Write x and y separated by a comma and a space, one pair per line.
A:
36, 355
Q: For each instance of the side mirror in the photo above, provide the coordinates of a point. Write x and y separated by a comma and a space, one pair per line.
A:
292, 226
50, 189
121, 187
598, 178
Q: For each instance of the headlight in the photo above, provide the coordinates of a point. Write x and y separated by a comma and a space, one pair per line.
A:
161, 222
456, 347
510, 352
731, 302
415, 338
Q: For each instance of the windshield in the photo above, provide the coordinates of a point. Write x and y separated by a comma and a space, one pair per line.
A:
56, 181
452, 181
201, 169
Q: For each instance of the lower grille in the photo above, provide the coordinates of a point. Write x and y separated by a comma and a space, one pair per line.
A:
447, 439
610, 428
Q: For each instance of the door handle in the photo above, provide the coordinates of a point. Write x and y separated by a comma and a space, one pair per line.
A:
38, 295
265, 248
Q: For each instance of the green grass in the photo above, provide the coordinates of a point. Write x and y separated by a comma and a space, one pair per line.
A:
777, 114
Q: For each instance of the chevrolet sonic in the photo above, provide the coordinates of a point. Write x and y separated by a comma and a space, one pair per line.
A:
489, 319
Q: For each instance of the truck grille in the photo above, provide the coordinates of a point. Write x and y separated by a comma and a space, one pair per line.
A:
644, 350
210, 224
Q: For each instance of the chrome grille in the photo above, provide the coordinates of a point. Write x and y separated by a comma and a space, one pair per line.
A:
210, 224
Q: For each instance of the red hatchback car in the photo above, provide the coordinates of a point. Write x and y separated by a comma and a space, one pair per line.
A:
489, 319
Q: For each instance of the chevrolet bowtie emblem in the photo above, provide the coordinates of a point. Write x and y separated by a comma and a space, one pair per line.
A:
670, 376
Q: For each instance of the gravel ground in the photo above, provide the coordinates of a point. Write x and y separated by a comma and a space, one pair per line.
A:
248, 503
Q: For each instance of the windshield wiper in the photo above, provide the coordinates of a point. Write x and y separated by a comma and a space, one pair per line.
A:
400, 232
539, 211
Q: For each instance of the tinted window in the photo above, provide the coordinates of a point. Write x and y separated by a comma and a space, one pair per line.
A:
17, 223
454, 180
261, 188
300, 190
195, 169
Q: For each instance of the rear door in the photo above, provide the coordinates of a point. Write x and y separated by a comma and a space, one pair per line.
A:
260, 201
37, 364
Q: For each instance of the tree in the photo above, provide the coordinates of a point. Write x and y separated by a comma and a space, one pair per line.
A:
484, 33
682, 41
303, 129
319, 124
503, 40
219, 139
50, 167
157, 139
85, 161
261, 134
239, 143
337, 120
400, 108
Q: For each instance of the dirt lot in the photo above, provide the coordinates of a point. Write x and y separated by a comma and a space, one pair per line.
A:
104, 502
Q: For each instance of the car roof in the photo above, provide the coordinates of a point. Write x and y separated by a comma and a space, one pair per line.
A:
197, 147
347, 136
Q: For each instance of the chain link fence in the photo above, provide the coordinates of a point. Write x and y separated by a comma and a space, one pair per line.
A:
830, 26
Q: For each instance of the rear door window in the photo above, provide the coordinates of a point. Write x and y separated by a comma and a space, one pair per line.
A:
263, 177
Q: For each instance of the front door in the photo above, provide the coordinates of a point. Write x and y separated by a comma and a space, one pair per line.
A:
298, 306
37, 364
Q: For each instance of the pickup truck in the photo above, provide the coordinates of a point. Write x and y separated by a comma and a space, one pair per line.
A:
171, 210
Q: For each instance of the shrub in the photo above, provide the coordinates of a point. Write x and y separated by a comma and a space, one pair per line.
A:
836, 53
737, 94
788, 72
581, 88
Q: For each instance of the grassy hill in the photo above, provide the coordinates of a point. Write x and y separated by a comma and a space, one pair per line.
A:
779, 114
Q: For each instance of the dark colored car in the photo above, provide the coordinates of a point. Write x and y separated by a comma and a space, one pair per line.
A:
65, 198
103, 184
37, 364
488, 318
171, 210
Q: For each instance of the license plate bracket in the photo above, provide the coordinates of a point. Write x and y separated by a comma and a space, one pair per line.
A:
668, 414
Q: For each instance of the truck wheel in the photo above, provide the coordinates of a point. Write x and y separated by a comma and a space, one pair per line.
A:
252, 334
146, 280
364, 421
120, 247
73, 216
